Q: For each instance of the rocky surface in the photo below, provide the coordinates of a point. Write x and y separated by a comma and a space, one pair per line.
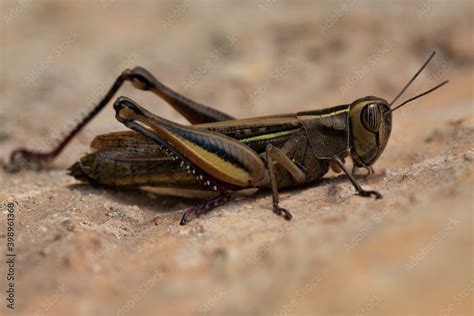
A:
85, 250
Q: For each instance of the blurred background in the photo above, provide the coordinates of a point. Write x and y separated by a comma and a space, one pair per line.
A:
93, 251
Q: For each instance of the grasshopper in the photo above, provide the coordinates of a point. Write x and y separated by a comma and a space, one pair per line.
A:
223, 155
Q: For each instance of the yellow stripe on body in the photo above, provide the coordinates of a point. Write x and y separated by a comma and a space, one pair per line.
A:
325, 115
266, 136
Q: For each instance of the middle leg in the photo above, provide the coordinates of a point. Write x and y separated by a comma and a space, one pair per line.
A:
275, 154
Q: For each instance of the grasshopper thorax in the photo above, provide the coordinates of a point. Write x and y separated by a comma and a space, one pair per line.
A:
370, 124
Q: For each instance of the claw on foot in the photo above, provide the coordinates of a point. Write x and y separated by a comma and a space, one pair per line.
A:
375, 194
282, 212
25, 159
203, 207
184, 220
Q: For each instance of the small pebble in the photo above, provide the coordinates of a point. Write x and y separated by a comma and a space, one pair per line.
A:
68, 224
468, 156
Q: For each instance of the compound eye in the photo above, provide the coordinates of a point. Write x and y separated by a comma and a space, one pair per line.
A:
371, 117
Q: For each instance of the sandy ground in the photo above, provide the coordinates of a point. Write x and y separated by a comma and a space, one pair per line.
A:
82, 250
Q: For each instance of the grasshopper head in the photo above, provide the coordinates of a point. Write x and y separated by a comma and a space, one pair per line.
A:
371, 123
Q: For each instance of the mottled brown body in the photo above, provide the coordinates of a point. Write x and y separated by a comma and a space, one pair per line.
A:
130, 159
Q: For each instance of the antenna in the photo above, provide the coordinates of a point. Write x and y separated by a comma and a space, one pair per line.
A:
413, 78
418, 96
